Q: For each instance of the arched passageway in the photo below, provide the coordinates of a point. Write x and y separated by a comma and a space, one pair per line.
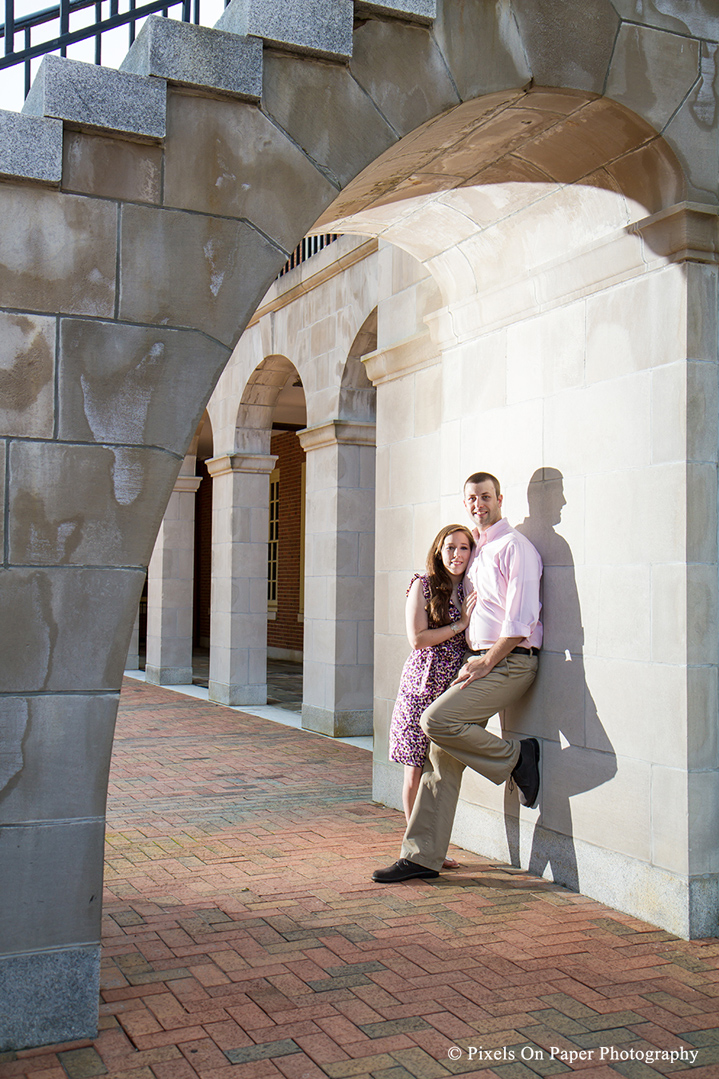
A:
130, 267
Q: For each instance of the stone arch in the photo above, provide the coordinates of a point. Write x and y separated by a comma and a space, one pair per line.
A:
357, 398
146, 212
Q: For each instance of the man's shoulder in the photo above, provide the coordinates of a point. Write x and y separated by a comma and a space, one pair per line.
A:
513, 540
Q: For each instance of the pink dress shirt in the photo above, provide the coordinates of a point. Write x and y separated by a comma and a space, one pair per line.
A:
504, 571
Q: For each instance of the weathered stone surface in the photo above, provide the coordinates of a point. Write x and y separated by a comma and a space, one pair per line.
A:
568, 44
27, 375
317, 27
386, 59
698, 18
97, 97
52, 889
312, 103
49, 997
197, 56
692, 132
652, 72
69, 630
414, 10
134, 385
111, 168
230, 159
586, 140
55, 757
186, 269
482, 47
650, 175
57, 252
30, 147
52, 521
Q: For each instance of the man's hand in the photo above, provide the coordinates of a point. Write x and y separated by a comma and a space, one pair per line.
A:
476, 667
480, 666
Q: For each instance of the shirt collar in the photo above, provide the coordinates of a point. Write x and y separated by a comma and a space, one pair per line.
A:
500, 528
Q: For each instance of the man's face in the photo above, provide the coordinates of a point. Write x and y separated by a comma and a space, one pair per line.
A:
482, 504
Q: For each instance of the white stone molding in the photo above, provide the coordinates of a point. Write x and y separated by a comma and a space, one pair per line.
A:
338, 433
688, 231
259, 463
404, 358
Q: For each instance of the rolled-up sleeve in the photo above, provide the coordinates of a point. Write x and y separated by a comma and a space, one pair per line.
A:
523, 570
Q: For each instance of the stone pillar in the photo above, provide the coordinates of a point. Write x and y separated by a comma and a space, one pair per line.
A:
339, 578
170, 580
132, 663
238, 635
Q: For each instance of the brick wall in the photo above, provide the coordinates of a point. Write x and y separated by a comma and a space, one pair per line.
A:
285, 631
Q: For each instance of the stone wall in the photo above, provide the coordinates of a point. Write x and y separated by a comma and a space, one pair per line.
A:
541, 162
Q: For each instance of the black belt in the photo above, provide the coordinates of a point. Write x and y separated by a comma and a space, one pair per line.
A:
515, 652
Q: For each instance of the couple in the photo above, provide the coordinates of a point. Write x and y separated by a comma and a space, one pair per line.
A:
485, 670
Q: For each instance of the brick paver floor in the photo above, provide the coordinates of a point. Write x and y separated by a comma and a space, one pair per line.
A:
244, 939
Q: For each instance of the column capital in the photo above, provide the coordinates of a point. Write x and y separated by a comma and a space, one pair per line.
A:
688, 231
187, 484
338, 432
403, 358
258, 463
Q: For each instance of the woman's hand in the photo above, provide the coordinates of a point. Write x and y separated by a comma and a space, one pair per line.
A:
467, 608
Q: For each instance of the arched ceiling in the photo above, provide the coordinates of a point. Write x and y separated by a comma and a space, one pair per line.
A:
509, 182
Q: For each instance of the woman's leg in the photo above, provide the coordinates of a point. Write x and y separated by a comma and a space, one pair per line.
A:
412, 776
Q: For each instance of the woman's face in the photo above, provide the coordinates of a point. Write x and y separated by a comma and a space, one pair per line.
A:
455, 552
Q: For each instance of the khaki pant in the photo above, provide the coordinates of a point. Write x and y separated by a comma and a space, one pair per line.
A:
455, 725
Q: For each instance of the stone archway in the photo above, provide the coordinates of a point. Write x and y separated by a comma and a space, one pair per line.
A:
130, 266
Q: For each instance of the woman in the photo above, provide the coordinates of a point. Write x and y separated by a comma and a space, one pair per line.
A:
437, 613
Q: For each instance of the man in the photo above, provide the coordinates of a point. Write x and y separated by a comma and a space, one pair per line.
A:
504, 636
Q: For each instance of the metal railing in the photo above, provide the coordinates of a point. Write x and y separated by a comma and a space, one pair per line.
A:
62, 14
305, 249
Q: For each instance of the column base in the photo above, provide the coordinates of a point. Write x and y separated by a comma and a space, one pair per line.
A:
236, 696
49, 997
350, 724
168, 676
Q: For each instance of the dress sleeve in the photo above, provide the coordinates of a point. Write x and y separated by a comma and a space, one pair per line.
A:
425, 585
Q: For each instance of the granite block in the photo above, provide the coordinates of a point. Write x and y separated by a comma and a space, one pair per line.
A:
311, 102
30, 147
27, 375
52, 884
134, 385
55, 756
197, 56
49, 997
112, 168
193, 270
57, 252
94, 96
315, 27
414, 10
51, 519
70, 627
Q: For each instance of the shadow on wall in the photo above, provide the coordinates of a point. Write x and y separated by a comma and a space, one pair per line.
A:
578, 755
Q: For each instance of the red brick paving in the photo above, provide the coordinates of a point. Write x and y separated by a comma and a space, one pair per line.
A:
244, 939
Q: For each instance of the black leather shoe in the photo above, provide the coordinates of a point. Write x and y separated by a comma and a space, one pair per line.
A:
402, 870
526, 772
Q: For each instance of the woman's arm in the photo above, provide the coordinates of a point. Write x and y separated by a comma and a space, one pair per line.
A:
419, 634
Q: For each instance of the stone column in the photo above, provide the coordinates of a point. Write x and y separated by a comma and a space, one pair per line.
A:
339, 578
238, 635
132, 663
170, 581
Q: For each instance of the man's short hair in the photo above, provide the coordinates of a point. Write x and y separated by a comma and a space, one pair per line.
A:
483, 477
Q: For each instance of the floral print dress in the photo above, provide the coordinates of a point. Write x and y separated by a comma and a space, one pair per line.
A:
426, 673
